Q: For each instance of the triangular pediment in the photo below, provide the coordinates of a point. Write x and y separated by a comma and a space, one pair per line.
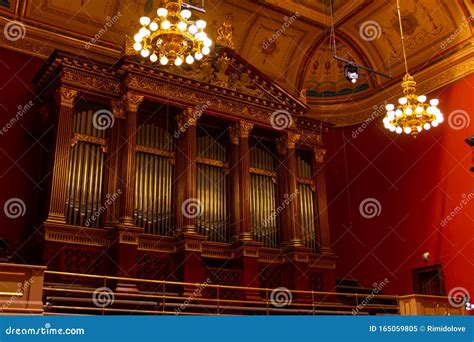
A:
224, 68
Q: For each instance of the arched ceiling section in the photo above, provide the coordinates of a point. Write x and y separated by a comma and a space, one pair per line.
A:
284, 39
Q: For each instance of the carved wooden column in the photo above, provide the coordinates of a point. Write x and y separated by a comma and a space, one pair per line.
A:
186, 153
187, 208
246, 248
324, 241
291, 236
295, 275
113, 164
131, 102
64, 127
243, 129
125, 235
234, 184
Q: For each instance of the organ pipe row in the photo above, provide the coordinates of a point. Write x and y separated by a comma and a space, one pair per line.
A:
153, 182
86, 167
263, 191
262, 201
307, 206
211, 187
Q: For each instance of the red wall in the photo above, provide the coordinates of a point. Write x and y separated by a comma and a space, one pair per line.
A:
18, 148
417, 182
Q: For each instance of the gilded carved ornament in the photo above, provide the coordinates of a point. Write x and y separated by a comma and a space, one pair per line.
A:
132, 101
319, 154
66, 97
188, 117
244, 129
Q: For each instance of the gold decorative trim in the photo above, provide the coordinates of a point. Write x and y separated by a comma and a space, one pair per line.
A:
118, 109
188, 117
262, 172
154, 150
212, 162
89, 139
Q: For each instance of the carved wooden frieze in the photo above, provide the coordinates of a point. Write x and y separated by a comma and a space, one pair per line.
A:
91, 81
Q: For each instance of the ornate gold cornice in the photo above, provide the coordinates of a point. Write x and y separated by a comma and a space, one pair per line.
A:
66, 97
132, 101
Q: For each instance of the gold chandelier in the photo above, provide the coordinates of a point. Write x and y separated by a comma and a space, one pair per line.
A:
413, 113
172, 36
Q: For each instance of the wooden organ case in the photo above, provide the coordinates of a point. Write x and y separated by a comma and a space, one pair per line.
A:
213, 173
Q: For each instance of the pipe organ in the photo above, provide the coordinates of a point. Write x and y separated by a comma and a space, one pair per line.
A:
258, 189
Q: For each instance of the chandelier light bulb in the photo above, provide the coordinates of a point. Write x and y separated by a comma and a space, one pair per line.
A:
145, 53
408, 111
154, 26
186, 14
137, 46
164, 60
403, 100
427, 126
178, 61
162, 12
407, 130
144, 21
193, 29
399, 130
430, 110
190, 59
390, 107
398, 113
419, 128
422, 98
165, 25
419, 110
201, 24
138, 38
153, 58
434, 102
182, 26
198, 56
392, 128
206, 50
434, 123
144, 32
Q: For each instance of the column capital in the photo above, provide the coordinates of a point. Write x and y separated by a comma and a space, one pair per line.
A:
66, 96
234, 134
244, 128
319, 154
188, 117
287, 141
132, 101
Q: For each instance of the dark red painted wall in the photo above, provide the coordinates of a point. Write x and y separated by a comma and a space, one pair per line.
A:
417, 182
18, 147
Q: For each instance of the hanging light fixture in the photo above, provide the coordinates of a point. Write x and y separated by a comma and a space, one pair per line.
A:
413, 113
172, 37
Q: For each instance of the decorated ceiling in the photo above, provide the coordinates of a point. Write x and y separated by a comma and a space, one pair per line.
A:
288, 40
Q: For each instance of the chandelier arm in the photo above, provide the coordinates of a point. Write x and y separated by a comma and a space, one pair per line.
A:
402, 36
